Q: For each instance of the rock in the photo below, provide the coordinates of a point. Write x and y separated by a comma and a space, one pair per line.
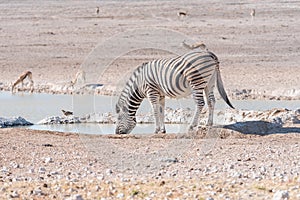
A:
14, 194
38, 192
281, 195
108, 172
263, 170
60, 120
120, 195
170, 160
238, 175
53, 173
42, 170
276, 117
75, 197
48, 160
14, 121
4, 169
169, 194
231, 166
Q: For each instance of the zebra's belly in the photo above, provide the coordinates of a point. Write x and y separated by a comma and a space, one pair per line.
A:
183, 94
177, 89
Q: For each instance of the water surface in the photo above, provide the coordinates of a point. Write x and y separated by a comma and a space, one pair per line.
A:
35, 107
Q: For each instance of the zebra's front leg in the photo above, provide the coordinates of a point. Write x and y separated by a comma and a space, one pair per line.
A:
157, 103
158, 111
162, 114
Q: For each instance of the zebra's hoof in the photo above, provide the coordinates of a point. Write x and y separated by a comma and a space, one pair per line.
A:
162, 131
209, 124
202, 128
191, 128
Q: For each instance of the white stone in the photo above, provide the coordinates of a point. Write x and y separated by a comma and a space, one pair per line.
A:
38, 191
14, 121
42, 170
281, 195
48, 160
120, 195
14, 194
263, 170
54, 173
4, 169
75, 197
108, 172
169, 194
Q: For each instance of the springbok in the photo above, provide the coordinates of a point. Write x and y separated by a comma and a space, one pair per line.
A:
79, 78
27, 74
182, 13
200, 45
252, 13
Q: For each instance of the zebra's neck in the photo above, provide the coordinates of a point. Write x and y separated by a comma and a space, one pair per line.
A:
131, 97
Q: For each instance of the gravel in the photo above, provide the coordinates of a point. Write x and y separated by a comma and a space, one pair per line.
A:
148, 166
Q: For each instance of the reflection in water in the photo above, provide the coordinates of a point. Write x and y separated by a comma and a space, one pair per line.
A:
35, 107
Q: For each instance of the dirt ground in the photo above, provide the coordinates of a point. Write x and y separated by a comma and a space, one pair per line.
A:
53, 39
259, 56
47, 165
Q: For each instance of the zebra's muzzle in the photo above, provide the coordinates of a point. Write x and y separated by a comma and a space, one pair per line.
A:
120, 131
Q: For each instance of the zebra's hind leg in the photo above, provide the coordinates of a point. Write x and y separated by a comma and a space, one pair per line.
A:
209, 93
198, 97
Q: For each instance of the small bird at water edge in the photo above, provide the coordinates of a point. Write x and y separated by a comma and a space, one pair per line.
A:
67, 113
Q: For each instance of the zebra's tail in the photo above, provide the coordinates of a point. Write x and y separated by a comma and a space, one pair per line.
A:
221, 87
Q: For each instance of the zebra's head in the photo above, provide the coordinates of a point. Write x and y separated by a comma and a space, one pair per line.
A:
125, 122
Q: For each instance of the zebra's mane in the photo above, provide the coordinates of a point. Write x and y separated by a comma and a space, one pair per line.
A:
129, 84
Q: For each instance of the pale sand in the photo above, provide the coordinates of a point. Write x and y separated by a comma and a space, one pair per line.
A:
52, 39
44, 165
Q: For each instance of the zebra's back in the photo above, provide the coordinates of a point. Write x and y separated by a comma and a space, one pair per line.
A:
173, 77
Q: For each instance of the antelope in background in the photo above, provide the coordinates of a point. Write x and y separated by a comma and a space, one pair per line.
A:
200, 45
21, 79
79, 78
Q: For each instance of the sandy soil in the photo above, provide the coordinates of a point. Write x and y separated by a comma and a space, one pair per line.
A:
53, 39
259, 58
44, 165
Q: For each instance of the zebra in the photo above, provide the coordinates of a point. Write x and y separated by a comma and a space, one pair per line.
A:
192, 73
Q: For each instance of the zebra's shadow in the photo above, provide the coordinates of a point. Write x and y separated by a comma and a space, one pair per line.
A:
260, 128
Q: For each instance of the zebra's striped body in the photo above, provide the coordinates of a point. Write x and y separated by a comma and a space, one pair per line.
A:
192, 73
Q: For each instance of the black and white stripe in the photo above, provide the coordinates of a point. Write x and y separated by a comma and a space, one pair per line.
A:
193, 73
